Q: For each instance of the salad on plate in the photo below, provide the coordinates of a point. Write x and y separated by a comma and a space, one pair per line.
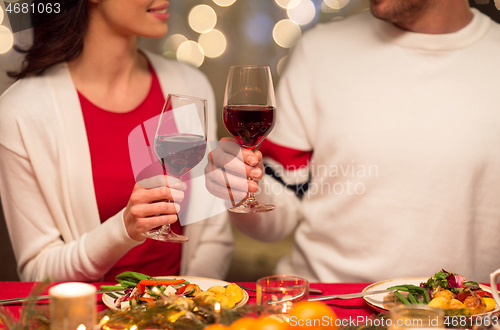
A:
449, 291
140, 289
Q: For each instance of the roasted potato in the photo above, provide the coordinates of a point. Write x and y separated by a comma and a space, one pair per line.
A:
456, 304
217, 289
447, 294
225, 300
439, 302
475, 304
235, 292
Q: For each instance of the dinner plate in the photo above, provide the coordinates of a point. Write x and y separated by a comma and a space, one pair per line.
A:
203, 282
377, 302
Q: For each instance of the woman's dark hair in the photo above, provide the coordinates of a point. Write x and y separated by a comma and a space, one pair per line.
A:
56, 38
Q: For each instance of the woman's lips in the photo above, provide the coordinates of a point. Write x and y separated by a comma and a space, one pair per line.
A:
160, 12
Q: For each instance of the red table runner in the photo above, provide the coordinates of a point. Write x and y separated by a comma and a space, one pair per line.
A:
351, 309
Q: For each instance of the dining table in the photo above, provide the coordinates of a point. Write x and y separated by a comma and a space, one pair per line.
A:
350, 310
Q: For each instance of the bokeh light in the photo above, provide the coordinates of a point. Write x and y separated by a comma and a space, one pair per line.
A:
191, 52
287, 3
303, 13
213, 43
336, 4
286, 32
281, 64
6, 39
1, 15
224, 3
202, 18
172, 44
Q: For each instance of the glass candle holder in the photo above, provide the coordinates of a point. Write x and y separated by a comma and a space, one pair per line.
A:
415, 316
280, 292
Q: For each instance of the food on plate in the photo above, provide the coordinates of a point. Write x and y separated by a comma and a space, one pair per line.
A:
447, 291
141, 289
228, 296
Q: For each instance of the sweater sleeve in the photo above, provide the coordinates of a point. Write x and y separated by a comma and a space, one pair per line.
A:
49, 238
37, 238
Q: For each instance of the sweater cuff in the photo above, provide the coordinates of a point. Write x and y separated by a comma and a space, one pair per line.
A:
109, 242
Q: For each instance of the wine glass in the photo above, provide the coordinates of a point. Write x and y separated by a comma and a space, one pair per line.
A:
249, 115
180, 144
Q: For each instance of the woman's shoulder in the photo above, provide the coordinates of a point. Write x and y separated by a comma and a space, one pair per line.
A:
26, 94
27, 103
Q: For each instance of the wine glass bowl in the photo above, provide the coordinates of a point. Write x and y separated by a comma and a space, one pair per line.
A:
179, 145
249, 115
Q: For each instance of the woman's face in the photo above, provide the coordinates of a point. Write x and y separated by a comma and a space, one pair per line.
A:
144, 18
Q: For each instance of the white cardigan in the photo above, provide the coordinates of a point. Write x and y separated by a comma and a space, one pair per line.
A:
47, 190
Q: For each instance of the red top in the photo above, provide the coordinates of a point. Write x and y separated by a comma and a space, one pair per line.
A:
114, 179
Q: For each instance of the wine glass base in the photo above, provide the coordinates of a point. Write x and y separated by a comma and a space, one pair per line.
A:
254, 207
165, 235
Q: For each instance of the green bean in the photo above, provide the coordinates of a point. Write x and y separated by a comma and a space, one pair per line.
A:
133, 275
112, 287
127, 283
411, 298
402, 298
427, 297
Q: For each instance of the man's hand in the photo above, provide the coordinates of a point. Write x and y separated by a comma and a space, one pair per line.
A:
230, 169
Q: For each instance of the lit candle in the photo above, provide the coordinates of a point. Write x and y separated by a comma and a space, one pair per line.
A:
217, 312
72, 306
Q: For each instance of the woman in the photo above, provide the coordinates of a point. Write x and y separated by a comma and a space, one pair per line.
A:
71, 204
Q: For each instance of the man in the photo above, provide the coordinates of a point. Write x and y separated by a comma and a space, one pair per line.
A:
392, 121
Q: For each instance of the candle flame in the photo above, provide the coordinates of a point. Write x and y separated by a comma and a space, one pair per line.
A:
81, 327
284, 309
134, 327
217, 307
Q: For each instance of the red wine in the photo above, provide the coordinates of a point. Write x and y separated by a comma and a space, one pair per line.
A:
249, 124
179, 153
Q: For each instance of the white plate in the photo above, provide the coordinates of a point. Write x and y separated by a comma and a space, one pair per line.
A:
377, 300
203, 282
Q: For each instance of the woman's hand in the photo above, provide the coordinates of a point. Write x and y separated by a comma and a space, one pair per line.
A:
151, 204
229, 168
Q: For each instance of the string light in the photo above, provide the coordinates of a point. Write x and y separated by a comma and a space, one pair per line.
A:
224, 3
6, 39
336, 4
286, 32
303, 13
202, 18
172, 44
213, 43
191, 52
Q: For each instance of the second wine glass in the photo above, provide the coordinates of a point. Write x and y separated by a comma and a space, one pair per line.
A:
180, 144
249, 115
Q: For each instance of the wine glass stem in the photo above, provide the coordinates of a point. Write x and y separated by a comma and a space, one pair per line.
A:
167, 230
251, 196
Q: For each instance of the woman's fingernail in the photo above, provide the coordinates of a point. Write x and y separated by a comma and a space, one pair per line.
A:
254, 184
177, 207
255, 173
252, 161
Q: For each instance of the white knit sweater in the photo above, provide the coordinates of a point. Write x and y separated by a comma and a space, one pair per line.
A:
405, 134
47, 188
